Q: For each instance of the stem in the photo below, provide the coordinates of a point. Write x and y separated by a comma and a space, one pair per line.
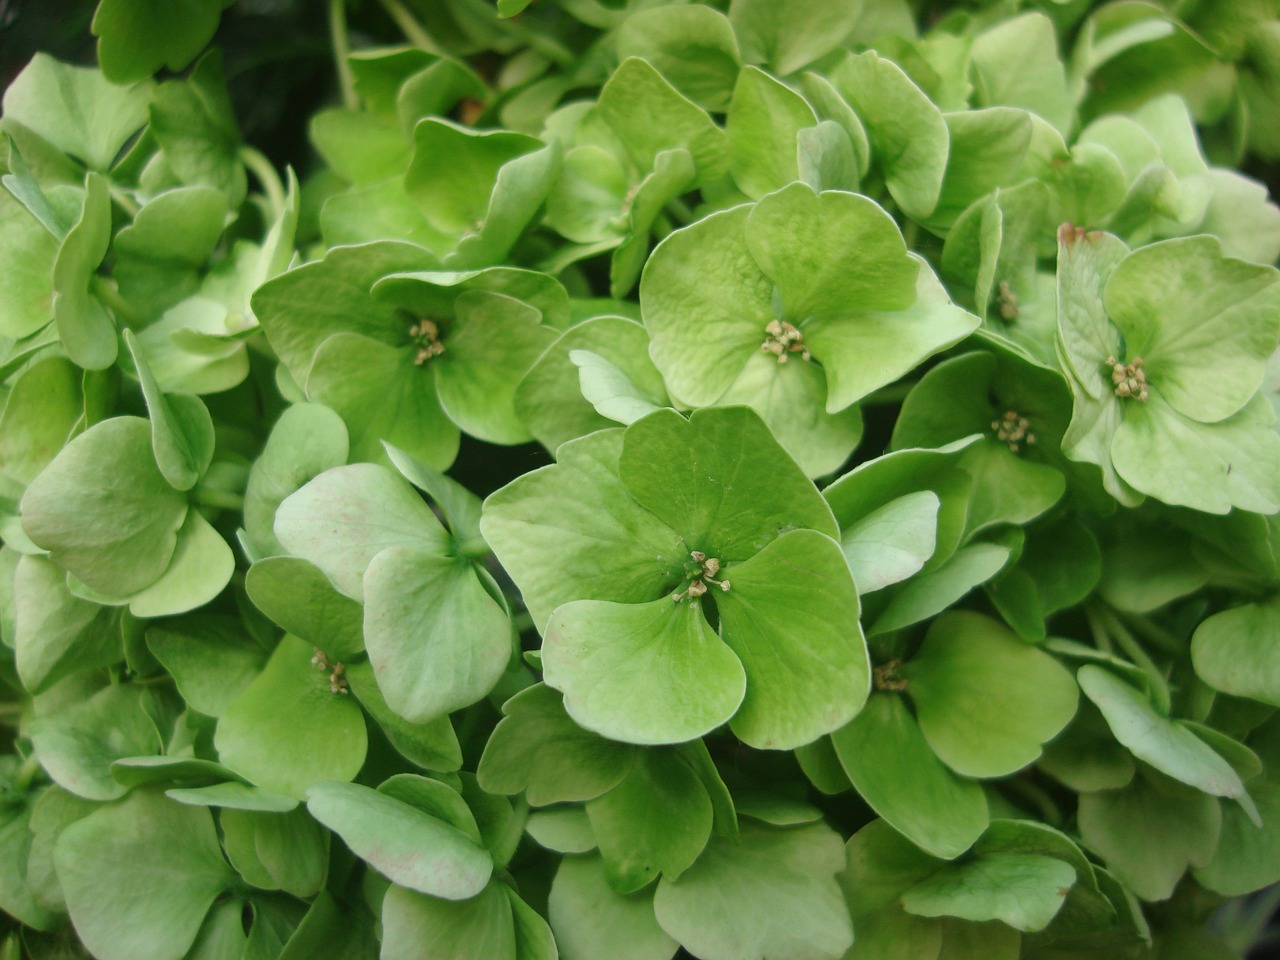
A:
1250, 926
125, 202
266, 175
1101, 639
410, 27
26, 773
1133, 649
342, 50
522, 621
679, 211
109, 294
472, 547
1154, 633
222, 499
892, 394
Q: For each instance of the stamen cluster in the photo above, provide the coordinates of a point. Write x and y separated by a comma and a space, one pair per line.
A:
784, 339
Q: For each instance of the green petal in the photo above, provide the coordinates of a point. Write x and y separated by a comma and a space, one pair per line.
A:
437, 641
577, 511
140, 875
694, 47
590, 920
1204, 323
791, 616
1023, 890
882, 865
644, 673
985, 700
289, 730
202, 565
536, 747
892, 542
195, 124
299, 598
27, 251
909, 133
1016, 64
56, 633
411, 847
770, 895
136, 40
831, 255
706, 304
791, 40
1165, 744
346, 516
899, 775
1248, 856
655, 822
383, 397
934, 590
1150, 832
85, 326
307, 440
432, 746
720, 480
493, 341
211, 658
104, 511
762, 123
416, 927
1238, 651
1209, 467
862, 351
181, 428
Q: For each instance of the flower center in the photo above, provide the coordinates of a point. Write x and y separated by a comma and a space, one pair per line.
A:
700, 570
337, 672
1130, 379
885, 676
425, 335
783, 339
1007, 302
1013, 429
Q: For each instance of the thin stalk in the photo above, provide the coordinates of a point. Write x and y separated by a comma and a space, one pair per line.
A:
1154, 633
1101, 639
26, 773
123, 200
342, 50
265, 173
1133, 649
107, 293
413, 31
222, 499
472, 548
679, 211
1249, 927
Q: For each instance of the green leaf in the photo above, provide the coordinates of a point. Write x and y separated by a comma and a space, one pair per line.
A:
591, 920
909, 132
140, 875
181, 428
693, 47
1165, 744
415, 927
537, 748
76, 109
85, 326
136, 40
969, 678
307, 440
644, 673
289, 730
762, 123
720, 480
104, 511
42, 407
791, 616
655, 822
895, 770
57, 634
211, 658
606, 545
1236, 651
346, 516
437, 640
649, 116
1151, 831
791, 41
1023, 890
411, 847
770, 895
892, 542
195, 126
301, 600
